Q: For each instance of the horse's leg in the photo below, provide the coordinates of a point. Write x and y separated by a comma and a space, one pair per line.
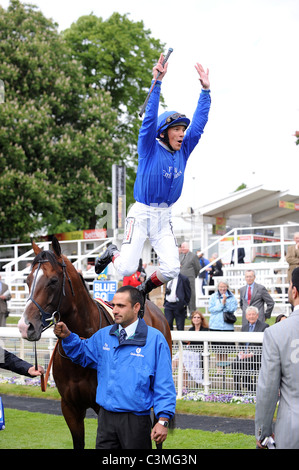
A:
75, 420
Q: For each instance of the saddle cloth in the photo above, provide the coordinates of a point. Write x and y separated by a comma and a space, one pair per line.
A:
107, 306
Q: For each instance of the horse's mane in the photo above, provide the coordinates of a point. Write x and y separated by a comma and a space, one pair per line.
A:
83, 282
48, 255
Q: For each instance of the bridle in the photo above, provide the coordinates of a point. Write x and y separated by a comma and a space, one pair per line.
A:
49, 319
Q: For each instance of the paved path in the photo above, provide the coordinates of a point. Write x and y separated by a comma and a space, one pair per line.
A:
183, 421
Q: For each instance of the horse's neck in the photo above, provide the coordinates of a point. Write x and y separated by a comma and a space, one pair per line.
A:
83, 316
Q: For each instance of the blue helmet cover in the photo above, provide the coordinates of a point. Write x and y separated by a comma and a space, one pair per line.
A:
163, 124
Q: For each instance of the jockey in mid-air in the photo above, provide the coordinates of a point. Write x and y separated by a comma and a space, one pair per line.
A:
164, 146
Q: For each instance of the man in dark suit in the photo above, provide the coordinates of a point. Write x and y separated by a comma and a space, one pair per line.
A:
190, 267
248, 360
240, 256
10, 361
255, 295
5, 296
177, 297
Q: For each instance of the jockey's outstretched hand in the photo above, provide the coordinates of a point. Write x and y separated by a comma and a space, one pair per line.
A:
203, 76
61, 330
160, 68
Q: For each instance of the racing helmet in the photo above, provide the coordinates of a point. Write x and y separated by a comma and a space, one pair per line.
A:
171, 119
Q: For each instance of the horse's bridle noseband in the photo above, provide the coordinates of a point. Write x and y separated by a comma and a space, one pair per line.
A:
48, 319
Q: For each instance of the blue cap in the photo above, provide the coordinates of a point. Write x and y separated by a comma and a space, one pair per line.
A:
170, 119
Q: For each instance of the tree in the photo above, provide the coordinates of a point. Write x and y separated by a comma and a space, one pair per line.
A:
118, 56
297, 136
58, 136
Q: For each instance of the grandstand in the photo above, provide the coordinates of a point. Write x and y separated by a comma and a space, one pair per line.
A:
271, 271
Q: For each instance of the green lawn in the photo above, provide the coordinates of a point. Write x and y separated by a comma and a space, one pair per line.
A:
25, 430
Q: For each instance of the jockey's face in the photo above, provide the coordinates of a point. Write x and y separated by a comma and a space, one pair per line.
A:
175, 136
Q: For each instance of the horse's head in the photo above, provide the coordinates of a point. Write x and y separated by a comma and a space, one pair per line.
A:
47, 285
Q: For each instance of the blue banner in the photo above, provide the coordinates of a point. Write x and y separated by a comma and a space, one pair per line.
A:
104, 290
2, 420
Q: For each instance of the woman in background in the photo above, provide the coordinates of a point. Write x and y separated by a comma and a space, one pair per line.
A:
221, 301
192, 358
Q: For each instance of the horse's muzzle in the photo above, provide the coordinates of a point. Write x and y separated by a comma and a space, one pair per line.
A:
29, 331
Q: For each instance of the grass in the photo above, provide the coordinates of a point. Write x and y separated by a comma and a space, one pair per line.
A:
25, 430
29, 391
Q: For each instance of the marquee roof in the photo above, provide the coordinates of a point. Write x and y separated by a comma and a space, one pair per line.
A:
261, 203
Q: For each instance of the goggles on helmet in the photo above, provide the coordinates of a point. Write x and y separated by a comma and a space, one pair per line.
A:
175, 116
171, 119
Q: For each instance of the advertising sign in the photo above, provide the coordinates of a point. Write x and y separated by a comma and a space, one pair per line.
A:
104, 290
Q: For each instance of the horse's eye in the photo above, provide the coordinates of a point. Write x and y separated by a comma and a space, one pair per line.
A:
52, 282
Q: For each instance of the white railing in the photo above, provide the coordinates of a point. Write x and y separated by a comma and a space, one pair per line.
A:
206, 354
282, 243
10, 339
75, 250
271, 273
210, 349
16, 269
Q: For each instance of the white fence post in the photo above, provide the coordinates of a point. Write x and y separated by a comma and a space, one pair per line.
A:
180, 370
206, 358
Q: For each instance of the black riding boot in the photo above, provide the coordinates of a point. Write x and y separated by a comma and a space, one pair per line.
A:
146, 287
106, 258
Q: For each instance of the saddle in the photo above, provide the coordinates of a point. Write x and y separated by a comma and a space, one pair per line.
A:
107, 306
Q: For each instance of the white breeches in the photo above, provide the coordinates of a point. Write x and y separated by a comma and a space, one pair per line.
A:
155, 224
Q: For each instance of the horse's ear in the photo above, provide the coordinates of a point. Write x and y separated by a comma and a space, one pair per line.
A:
56, 247
36, 249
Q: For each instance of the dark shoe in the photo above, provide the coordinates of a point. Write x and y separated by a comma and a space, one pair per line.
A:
142, 306
147, 286
105, 259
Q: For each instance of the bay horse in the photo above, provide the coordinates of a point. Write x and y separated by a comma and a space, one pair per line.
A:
57, 290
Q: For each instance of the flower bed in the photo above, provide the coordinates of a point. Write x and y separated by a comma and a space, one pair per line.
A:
188, 396
219, 398
35, 381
